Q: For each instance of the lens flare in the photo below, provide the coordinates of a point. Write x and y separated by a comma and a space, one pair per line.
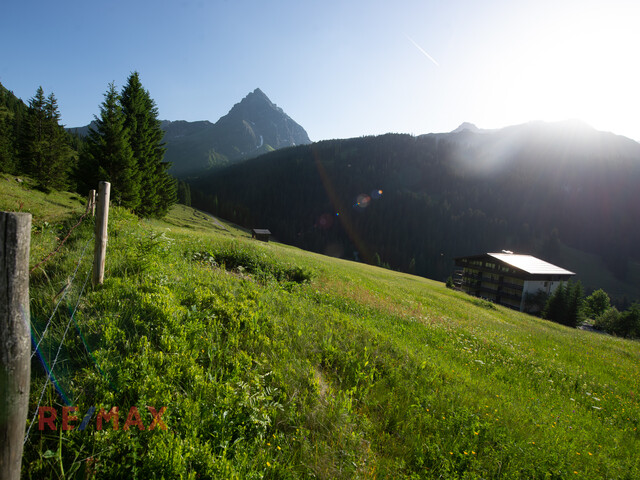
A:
325, 221
363, 200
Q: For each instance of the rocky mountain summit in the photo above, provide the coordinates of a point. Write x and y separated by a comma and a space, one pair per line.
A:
253, 126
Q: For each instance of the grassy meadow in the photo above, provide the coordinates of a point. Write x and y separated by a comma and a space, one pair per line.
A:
278, 363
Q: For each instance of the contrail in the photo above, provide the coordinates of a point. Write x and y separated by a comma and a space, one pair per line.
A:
422, 50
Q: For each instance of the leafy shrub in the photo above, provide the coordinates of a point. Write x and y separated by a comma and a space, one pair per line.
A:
258, 264
624, 324
597, 303
607, 320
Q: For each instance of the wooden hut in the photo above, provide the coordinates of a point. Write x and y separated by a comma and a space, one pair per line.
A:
261, 234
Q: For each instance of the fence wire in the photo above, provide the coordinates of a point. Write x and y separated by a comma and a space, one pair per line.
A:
55, 360
62, 294
51, 254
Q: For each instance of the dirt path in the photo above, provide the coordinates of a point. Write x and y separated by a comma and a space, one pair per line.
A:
216, 222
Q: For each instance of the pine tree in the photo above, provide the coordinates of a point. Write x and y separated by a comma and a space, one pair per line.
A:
575, 305
184, 193
46, 152
566, 305
58, 155
556, 305
33, 141
108, 148
158, 189
7, 157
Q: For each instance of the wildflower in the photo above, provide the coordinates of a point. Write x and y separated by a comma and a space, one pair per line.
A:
268, 464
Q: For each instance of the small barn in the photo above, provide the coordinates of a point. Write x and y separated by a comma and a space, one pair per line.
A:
506, 278
261, 234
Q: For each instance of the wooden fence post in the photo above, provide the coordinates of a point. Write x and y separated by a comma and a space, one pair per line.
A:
91, 203
100, 249
15, 339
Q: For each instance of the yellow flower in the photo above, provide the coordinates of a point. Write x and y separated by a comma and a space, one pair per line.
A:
268, 464
279, 447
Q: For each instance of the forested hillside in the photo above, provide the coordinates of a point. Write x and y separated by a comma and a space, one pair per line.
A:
562, 191
123, 145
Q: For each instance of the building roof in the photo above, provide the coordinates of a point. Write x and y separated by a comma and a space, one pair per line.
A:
261, 231
530, 264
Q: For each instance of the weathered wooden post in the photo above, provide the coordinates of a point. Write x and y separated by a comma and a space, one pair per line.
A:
15, 339
100, 248
91, 203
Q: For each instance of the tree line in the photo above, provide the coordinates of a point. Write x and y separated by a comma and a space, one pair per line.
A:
124, 147
568, 306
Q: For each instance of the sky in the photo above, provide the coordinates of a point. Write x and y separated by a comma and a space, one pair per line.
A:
340, 69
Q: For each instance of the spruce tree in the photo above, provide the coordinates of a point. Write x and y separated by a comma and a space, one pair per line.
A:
575, 305
46, 152
58, 154
158, 190
7, 157
109, 149
556, 305
33, 141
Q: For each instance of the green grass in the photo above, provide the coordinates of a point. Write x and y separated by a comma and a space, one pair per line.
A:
278, 363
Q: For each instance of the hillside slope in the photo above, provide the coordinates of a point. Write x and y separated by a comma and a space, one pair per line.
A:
415, 203
278, 363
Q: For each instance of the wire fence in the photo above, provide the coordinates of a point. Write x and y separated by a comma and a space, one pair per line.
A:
60, 296
55, 360
53, 252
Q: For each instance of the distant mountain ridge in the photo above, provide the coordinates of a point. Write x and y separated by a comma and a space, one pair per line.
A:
253, 126
562, 191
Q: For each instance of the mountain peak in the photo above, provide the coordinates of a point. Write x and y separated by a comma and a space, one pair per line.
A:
259, 92
256, 125
257, 97
466, 126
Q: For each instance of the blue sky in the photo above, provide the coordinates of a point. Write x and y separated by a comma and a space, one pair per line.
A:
339, 68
